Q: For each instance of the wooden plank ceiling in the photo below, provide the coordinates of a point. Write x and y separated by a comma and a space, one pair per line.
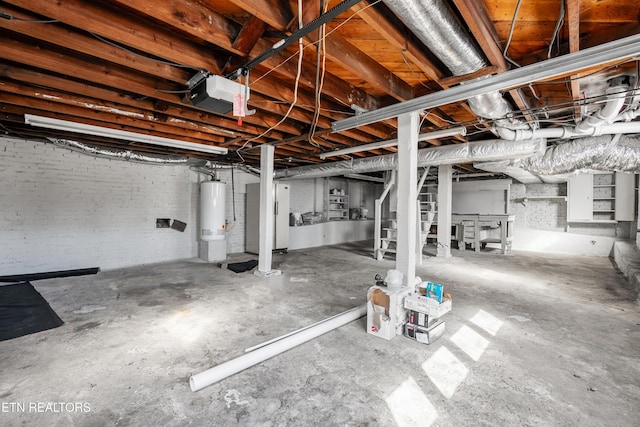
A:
124, 64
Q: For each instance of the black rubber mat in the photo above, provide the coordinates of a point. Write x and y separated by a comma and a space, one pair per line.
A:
24, 311
240, 267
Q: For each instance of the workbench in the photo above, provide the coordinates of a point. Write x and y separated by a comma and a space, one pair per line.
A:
480, 229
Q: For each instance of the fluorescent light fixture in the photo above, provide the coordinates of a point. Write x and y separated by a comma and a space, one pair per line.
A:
68, 126
461, 130
627, 47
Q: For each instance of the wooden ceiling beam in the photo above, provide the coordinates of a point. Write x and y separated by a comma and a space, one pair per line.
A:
573, 25
192, 18
343, 92
482, 28
249, 35
123, 29
338, 50
412, 50
162, 110
102, 119
106, 75
97, 106
593, 39
85, 44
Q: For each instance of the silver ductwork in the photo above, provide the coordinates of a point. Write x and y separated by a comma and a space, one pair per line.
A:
618, 153
433, 22
127, 155
434, 156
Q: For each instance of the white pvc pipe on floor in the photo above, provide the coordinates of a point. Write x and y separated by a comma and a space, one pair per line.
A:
220, 372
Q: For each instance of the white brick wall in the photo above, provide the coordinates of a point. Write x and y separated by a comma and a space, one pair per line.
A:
63, 210
551, 214
539, 214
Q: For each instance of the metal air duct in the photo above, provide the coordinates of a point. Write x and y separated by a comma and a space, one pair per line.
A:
443, 155
618, 153
433, 22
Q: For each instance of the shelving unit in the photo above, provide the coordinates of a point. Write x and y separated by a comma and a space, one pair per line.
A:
338, 205
604, 192
601, 198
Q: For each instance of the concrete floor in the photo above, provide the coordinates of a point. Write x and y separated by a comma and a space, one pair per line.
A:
532, 340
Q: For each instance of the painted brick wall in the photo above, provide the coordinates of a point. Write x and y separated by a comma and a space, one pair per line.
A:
546, 214
551, 214
306, 195
63, 210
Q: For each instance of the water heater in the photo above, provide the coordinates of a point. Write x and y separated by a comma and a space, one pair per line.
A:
212, 218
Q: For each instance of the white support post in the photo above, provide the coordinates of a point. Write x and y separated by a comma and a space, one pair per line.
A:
418, 233
266, 212
445, 175
408, 127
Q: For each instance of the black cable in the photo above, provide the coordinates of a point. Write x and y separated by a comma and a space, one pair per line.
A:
173, 91
284, 43
9, 17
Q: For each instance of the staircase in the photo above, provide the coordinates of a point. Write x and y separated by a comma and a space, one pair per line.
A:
386, 240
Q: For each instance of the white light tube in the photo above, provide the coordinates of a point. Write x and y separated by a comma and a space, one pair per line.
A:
461, 130
68, 126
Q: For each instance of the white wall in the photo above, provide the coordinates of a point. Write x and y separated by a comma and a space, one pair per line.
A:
480, 197
64, 210
308, 195
236, 228
541, 223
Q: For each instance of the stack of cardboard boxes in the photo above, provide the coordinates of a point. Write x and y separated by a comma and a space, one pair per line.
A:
392, 312
425, 309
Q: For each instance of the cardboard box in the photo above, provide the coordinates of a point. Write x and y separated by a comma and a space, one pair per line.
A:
428, 306
423, 334
386, 314
420, 319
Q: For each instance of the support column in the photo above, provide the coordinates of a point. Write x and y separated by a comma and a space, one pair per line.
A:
408, 125
638, 220
266, 212
445, 182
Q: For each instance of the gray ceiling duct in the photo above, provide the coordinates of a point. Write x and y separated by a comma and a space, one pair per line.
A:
605, 153
437, 27
443, 155
127, 155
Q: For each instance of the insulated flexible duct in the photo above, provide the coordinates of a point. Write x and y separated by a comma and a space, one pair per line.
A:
434, 156
605, 153
118, 154
437, 27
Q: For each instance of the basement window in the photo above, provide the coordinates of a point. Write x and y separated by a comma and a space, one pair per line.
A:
163, 222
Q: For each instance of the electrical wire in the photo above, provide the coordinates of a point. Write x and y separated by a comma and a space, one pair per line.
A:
559, 25
295, 91
9, 17
320, 73
513, 24
404, 58
173, 91
318, 41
